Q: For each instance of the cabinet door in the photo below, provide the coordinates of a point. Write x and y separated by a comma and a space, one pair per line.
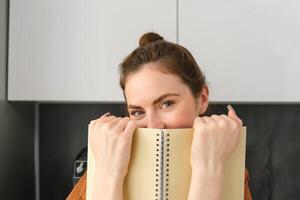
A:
69, 50
249, 50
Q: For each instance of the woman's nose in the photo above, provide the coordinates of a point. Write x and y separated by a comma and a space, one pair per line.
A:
155, 121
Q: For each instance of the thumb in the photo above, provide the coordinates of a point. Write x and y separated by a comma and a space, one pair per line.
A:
232, 114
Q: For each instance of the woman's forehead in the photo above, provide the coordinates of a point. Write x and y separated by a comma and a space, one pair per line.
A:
149, 84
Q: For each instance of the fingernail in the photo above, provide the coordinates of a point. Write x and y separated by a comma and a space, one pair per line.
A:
107, 114
229, 107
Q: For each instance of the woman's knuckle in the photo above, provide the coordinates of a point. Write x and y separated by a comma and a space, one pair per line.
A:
92, 122
197, 120
126, 118
222, 123
104, 126
214, 116
206, 117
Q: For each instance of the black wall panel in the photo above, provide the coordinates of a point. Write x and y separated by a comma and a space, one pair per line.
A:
273, 149
63, 133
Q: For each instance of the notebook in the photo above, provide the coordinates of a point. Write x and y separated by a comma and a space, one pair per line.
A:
159, 167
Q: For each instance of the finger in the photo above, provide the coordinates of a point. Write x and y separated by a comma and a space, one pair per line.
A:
112, 123
232, 114
129, 129
208, 120
229, 120
106, 115
108, 119
199, 121
102, 120
122, 124
215, 117
226, 118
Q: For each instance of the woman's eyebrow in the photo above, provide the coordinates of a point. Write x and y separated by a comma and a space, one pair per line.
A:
155, 101
133, 107
163, 97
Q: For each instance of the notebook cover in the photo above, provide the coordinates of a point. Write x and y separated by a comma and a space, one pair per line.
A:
159, 167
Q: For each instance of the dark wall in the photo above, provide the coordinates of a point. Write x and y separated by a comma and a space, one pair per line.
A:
16, 151
63, 133
16, 132
273, 150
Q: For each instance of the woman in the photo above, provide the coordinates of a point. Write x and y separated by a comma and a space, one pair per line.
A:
164, 88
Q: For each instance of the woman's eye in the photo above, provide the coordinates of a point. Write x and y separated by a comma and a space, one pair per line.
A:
136, 113
167, 104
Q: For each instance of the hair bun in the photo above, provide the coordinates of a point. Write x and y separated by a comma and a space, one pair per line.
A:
148, 38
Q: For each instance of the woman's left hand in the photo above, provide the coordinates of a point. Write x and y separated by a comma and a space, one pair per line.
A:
215, 138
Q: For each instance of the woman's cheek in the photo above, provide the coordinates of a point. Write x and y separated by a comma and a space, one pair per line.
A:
180, 120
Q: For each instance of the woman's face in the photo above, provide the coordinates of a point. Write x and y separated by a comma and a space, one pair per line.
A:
160, 100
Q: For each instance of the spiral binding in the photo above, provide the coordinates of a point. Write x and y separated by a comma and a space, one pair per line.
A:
162, 166
167, 164
157, 167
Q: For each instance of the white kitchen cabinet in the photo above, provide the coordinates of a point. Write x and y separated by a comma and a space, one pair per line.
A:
69, 50
249, 50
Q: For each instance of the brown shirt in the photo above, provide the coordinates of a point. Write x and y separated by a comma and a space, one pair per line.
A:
79, 191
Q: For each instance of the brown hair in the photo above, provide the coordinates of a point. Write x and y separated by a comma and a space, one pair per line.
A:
174, 59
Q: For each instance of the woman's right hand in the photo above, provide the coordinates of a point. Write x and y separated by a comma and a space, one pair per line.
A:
110, 138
